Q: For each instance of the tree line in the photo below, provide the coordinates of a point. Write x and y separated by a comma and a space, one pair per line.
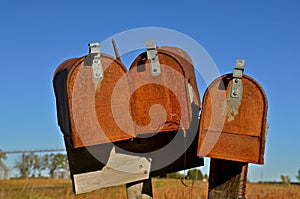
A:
32, 165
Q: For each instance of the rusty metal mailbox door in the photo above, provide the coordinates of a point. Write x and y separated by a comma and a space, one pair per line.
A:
83, 88
233, 121
163, 77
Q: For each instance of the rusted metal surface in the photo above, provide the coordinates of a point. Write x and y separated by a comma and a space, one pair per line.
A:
92, 120
188, 68
169, 90
118, 107
231, 130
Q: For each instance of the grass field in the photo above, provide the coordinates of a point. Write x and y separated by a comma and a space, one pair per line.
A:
162, 188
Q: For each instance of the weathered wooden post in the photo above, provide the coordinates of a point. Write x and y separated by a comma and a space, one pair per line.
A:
243, 182
139, 190
232, 131
224, 178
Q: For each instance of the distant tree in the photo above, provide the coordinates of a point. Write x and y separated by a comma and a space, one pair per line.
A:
36, 170
57, 161
2, 155
194, 174
175, 175
40, 164
162, 176
31, 165
26, 165
44, 162
205, 177
298, 176
285, 179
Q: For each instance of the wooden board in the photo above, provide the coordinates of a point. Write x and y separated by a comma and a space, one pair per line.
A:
120, 169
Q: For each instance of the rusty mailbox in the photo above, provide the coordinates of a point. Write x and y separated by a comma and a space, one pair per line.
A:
233, 121
163, 76
140, 111
83, 88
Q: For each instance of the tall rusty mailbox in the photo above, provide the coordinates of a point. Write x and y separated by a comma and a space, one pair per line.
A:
165, 77
83, 88
233, 121
140, 111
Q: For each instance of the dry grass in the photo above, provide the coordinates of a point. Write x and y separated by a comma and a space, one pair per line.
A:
174, 189
268, 191
51, 188
162, 188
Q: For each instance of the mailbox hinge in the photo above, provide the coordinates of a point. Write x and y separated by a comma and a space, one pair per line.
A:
237, 85
94, 59
152, 56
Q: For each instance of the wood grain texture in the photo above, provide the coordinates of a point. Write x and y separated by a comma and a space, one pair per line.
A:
120, 169
228, 134
224, 179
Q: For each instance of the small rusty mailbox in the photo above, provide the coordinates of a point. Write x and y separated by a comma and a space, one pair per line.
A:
233, 121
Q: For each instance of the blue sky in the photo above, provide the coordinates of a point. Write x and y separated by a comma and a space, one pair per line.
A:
36, 36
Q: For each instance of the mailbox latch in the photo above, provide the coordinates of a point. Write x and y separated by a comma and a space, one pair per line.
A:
237, 85
152, 56
93, 59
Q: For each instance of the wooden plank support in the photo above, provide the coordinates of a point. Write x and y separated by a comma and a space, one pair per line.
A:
224, 178
120, 169
140, 189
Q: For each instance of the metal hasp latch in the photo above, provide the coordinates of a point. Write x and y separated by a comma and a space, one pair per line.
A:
152, 56
237, 85
94, 59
